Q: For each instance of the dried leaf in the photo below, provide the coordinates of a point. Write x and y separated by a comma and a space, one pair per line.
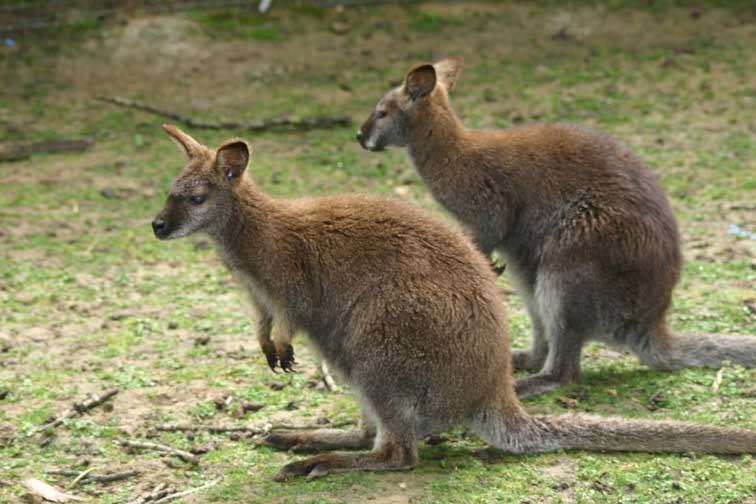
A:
48, 492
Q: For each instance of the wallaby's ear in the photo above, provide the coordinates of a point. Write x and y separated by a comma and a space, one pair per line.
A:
447, 71
187, 144
420, 81
232, 158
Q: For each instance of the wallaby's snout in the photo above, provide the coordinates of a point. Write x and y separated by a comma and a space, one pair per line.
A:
367, 137
159, 227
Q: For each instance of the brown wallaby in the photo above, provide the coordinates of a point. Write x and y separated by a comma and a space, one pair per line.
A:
586, 230
389, 296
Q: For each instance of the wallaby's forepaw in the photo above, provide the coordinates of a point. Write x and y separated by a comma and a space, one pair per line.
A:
270, 355
282, 357
498, 268
308, 467
286, 359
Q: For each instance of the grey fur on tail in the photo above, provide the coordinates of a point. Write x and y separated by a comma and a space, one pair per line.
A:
699, 349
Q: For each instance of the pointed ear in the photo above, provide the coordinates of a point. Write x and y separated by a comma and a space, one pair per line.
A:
420, 81
187, 144
232, 158
447, 71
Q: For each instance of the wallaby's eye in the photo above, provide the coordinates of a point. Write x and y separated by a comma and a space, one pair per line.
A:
380, 114
198, 200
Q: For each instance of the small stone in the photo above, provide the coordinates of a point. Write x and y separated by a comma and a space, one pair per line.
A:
4, 392
172, 325
108, 407
291, 406
234, 436
201, 341
190, 435
322, 420
277, 385
108, 192
251, 406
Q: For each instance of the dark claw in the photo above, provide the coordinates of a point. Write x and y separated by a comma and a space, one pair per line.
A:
270, 355
286, 361
498, 269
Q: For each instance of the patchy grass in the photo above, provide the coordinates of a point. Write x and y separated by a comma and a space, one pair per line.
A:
89, 300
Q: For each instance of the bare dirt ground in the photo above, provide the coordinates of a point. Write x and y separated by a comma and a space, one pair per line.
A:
89, 300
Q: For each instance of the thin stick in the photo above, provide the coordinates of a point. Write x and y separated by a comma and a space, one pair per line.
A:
311, 122
80, 476
183, 455
327, 378
718, 379
17, 152
178, 495
95, 478
206, 428
158, 492
79, 409
6, 483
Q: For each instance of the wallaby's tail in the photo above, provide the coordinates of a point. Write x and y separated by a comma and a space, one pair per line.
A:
523, 433
698, 349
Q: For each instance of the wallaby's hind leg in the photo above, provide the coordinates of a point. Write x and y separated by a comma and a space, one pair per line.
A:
395, 450
264, 330
361, 437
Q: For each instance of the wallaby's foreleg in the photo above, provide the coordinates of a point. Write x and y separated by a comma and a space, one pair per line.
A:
562, 366
533, 358
264, 329
361, 437
282, 336
395, 450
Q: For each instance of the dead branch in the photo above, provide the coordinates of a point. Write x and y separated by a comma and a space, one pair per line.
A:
94, 478
183, 455
79, 409
6, 483
302, 123
17, 152
178, 495
158, 492
215, 429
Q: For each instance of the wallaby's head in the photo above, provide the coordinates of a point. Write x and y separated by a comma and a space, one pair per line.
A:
391, 121
202, 196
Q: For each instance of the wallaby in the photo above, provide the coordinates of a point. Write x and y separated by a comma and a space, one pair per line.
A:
389, 296
585, 229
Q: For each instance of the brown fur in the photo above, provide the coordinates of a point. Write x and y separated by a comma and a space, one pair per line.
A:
402, 307
586, 230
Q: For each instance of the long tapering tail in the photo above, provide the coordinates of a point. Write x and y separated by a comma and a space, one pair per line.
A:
541, 433
699, 349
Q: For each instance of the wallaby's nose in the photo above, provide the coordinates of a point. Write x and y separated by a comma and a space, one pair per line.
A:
158, 225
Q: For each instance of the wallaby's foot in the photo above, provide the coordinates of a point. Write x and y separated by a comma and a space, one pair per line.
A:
527, 360
319, 440
385, 458
269, 349
540, 384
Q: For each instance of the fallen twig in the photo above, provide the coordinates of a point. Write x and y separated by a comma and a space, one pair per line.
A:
183, 455
247, 429
94, 478
78, 409
327, 378
17, 152
216, 429
311, 122
158, 492
6, 483
178, 495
